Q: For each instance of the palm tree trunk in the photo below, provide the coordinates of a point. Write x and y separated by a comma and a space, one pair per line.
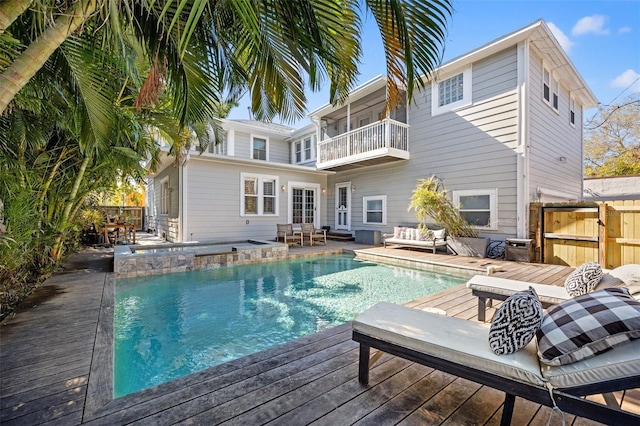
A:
10, 10
56, 249
25, 66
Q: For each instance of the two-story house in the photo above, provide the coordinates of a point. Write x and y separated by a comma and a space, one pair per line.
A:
501, 126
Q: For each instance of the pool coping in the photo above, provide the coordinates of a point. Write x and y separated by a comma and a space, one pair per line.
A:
100, 400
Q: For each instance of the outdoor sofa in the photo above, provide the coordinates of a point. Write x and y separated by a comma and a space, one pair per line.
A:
416, 237
460, 347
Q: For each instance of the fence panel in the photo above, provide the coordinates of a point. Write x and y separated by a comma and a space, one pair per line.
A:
574, 233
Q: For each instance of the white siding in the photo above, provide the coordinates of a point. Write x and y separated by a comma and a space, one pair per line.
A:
552, 137
214, 201
278, 149
166, 222
471, 148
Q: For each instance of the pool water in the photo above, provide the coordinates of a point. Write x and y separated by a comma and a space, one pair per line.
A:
169, 326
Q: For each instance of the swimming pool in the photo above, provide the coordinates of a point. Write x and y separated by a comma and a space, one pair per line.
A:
168, 326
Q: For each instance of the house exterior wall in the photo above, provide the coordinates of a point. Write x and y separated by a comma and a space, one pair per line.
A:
555, 146
167, 224
470, 148
278, 148
214, 201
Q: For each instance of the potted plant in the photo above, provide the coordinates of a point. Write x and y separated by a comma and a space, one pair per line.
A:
430, 200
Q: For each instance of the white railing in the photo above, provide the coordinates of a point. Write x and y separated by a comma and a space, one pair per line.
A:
381, 134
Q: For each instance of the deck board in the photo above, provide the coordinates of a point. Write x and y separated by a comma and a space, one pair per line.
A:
55, 366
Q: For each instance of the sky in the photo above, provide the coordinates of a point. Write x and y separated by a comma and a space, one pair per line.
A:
601, 37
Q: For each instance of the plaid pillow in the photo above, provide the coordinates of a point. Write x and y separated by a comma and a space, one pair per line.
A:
587, 325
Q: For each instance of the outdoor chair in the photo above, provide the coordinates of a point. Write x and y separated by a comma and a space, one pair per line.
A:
460, 347
314, 234
286, 233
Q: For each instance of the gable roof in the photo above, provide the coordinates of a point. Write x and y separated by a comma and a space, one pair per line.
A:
543, 40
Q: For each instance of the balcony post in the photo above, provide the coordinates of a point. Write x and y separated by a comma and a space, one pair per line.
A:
387, 133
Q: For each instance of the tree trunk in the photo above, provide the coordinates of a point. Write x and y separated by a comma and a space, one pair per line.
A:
25, 66
10, 10
56, 250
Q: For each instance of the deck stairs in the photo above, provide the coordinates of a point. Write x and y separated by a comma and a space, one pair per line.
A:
340, 236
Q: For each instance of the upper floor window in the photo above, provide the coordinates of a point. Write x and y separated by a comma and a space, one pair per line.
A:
452, 92
374, 210
165, 196
259, 148
550, 89
479, 207
259, 196
572, 112
302, 150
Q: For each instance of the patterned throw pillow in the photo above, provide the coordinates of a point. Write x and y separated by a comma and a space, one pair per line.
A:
587, 325
397, 231
516, 322
583, 279
426, 235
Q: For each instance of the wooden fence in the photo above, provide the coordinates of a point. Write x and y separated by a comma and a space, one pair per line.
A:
575, 233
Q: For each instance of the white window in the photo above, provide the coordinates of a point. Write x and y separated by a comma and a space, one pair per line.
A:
259, 147
297, 152
165, 196
478, 206
374, 210
572, 112
451, 92
307, 149
550, 89
259, 195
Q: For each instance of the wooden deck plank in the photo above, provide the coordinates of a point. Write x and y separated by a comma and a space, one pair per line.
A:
47, 373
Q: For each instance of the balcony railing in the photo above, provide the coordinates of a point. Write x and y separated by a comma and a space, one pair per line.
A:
382, 139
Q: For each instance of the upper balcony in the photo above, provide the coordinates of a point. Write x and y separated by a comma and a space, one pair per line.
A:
381, 142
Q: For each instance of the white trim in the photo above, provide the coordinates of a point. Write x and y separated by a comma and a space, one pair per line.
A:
347, 186
493, 204
260, 195
572, 112
522, 150
184, 184
231, 142
266, 146
383, 198
541, 190
467, 92
165, 200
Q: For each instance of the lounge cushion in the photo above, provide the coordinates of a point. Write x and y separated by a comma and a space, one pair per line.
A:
454, 339
548, 294
623, 361
587, 325
583, 279
627, 275
516, 322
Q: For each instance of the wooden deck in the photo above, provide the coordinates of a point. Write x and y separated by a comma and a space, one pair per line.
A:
56, 363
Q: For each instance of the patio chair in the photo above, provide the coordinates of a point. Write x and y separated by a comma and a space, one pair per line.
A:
314, 234
460, 347
287, 234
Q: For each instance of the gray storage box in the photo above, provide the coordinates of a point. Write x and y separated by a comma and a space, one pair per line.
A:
365, 236
519, 249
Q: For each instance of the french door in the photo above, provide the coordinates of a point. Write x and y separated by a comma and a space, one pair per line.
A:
304, 203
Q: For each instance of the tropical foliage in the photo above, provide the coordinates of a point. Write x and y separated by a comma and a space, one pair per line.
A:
86, 86
612, 140
431, 201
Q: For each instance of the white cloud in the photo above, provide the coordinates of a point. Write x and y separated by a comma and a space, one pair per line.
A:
626, 79
624, 30
562, 38
590, 24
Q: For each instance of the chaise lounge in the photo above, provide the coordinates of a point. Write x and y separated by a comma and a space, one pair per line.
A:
460, 347
488, 288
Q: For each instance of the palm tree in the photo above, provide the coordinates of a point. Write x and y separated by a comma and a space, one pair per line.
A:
271, 46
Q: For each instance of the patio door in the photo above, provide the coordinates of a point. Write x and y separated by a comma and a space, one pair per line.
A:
343, 206
304, 204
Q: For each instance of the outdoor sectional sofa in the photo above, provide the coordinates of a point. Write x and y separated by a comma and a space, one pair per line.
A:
460, 347
415, 237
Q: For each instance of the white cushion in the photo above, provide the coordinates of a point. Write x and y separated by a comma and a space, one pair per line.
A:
623, 361
459, 341
439, 233
549, 294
